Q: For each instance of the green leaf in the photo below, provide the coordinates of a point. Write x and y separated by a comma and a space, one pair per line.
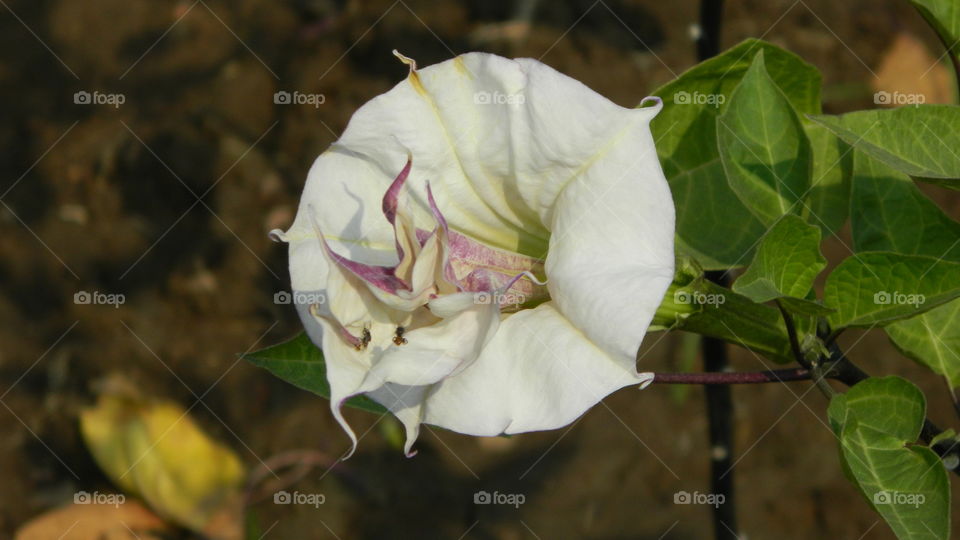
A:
735, 319
944, 17
805, 306
786, 263
889, 213
300, 363
932, 339
697, 305
877, 421
764, 150
828, 199
876, 288
712, 224
921, 141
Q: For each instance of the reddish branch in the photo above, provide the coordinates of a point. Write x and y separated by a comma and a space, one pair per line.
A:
727, 377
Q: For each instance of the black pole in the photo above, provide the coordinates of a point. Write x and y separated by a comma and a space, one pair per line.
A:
719, 401
708, 39
719, 398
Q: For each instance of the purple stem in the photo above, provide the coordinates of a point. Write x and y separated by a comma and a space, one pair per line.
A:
725, 377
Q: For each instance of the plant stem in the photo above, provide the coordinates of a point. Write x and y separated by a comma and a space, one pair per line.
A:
819, 376
752, 377
837, 367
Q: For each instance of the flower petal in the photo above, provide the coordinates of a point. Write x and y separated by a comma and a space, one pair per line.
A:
538, 372
611, 253
406, 403
434, 352
496, 168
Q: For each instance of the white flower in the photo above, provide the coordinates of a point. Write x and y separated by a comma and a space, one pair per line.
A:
432, 224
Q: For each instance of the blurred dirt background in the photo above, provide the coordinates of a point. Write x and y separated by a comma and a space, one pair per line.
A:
167, 199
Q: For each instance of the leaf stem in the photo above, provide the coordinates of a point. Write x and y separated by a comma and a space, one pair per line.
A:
792, 335
729, 377
819, 375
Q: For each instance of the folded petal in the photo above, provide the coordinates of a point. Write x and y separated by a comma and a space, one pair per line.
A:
406, 403
434, 352
347, 366
611, 253
538, 372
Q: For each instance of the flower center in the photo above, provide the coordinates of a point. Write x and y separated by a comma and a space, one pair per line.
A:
435, 263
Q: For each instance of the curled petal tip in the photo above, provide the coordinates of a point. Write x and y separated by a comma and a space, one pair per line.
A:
658, 103
647, 380
338, 415
277, 235
406, 60
533, 278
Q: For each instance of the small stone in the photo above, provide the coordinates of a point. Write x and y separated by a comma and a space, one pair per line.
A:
74, 213
719, 453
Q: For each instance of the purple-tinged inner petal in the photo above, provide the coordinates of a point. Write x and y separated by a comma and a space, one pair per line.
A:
392, 197
461, 263
381, 277
476, 267
435, 210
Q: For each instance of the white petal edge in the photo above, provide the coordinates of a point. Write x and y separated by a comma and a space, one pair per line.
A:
537, 373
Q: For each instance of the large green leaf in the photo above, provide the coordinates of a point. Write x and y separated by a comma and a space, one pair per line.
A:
944, 16
877, 423
876, 288
828, 199
300, 363
712, 224
889, 213
922, 141
786, 263
764, 150
933, 339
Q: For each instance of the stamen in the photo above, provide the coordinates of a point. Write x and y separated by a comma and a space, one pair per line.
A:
364, 340
398, 338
